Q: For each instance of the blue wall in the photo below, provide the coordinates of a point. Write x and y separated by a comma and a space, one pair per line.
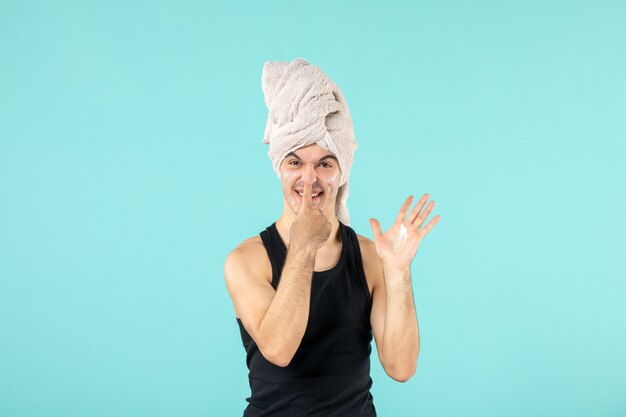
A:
131, 163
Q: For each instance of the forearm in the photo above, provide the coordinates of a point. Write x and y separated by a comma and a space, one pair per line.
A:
401, 335
286, 318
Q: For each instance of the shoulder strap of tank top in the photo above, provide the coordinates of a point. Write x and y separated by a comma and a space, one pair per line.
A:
275, 250
355, 255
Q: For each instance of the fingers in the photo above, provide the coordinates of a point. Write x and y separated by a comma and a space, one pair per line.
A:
420, 219
376, 228
424, 231
404, 209
307, 201
415, 212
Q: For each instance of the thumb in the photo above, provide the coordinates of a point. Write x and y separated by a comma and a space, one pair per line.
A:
375, 228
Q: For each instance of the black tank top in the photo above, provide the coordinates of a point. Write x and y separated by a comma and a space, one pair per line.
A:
329, 374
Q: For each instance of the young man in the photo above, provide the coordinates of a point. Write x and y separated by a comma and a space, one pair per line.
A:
308, 291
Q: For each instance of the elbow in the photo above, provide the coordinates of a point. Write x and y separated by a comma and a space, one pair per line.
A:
275, 350
402, 376
281, 361
401, 373
277, 357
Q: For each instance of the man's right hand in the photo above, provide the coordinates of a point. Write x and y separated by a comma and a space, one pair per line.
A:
311, 229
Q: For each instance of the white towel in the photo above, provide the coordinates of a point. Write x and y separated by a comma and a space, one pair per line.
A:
306, 107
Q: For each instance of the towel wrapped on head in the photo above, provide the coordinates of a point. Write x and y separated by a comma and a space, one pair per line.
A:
306, 107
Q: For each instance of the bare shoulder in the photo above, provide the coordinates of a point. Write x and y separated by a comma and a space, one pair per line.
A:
371, 262
368, 248
250, 246
248, 276
250, 256
364, 242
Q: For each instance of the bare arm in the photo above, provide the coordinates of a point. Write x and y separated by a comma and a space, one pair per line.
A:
400, 336
393, 315
277, 320
393, 318
285, 321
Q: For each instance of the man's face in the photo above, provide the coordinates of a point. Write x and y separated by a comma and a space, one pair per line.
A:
313, 165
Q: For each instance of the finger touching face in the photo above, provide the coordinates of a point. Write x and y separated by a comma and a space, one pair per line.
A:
314, 167
307, 201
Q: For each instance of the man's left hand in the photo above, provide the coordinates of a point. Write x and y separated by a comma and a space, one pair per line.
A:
397, 246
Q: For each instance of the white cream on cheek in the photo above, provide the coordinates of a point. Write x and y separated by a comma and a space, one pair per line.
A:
288, 179
331, 181
330, 184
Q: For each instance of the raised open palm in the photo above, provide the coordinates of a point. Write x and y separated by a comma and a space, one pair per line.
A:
397, 246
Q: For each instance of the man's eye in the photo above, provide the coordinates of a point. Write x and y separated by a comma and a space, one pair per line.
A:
295, 162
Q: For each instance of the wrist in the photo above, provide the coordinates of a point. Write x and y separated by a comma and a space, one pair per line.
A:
397, 272
303, 250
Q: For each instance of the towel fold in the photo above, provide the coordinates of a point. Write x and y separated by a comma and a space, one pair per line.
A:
306, 107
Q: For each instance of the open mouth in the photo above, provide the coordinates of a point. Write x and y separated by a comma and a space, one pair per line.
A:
315, 197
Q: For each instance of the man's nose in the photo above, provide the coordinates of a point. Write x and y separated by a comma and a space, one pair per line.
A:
309, 175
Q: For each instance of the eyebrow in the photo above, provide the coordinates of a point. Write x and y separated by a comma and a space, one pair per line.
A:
324, 157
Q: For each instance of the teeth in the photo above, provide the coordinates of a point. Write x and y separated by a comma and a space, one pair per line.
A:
313, 196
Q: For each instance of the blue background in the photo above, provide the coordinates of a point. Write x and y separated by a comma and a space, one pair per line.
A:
131, 163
